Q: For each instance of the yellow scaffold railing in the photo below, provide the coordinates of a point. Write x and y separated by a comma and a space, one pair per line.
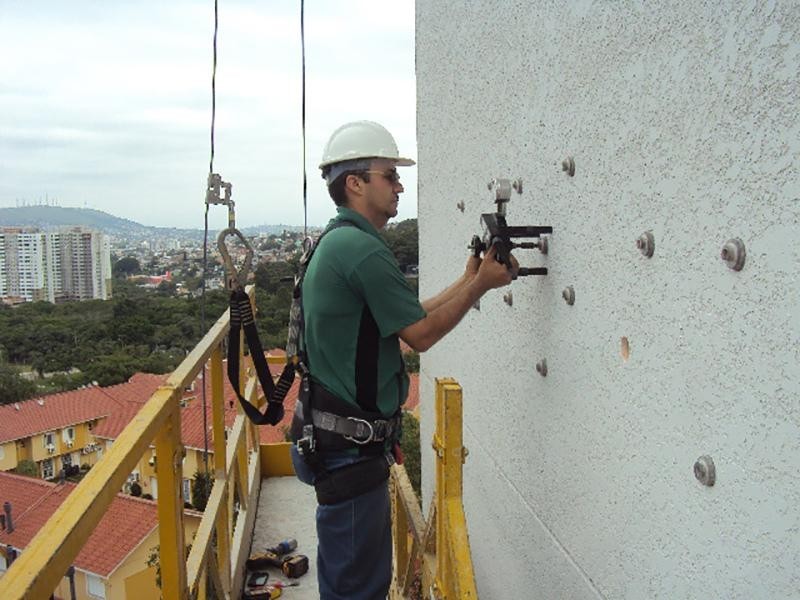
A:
220, 545
439, 552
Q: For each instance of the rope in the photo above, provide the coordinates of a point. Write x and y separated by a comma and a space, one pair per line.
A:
305, 179
205, 235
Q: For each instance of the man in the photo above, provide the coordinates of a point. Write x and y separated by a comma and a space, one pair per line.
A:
357, 305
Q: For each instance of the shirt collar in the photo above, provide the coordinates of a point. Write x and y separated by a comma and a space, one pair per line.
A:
348, 214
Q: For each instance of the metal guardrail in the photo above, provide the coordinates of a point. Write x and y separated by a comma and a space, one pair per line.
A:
439, 552
439, 548
218, 544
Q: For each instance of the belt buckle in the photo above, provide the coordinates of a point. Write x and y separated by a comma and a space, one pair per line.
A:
369, 437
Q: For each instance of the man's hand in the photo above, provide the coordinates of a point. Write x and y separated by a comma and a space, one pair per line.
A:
447, 313
492, 274
473, 264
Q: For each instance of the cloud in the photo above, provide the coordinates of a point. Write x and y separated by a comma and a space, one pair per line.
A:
109, 104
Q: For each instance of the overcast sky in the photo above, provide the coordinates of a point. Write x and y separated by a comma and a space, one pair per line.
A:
107, 104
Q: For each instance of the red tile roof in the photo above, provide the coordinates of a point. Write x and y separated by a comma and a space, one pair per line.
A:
192, 414
56, 411
126, 523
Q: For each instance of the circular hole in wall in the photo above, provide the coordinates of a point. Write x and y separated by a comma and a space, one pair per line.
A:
624, 348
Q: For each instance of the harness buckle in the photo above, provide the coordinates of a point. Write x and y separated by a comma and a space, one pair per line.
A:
306, 444
359, 430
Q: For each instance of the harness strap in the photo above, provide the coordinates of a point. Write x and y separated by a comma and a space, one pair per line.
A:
358, 431
242, 319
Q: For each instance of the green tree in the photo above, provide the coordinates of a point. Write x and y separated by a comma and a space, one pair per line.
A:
126, 266
111, 369
28, 468
412, 361
14, 388
166, 288
403, 239
268, 276
409, 443
201, 490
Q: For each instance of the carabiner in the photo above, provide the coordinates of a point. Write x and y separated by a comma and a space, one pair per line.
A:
235, 280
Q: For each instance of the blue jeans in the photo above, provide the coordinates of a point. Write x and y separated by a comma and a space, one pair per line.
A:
354, 555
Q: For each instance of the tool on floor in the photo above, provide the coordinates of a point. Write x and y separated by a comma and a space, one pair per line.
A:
295, 566
284, 547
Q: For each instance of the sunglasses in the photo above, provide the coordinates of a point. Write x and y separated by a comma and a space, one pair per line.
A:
392, 176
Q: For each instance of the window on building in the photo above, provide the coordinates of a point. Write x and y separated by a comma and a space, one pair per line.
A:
95, 586
49, 439
3, 564
187, 490
47, 468
66, 460
69, 434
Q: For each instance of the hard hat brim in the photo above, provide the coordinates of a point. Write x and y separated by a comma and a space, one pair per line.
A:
400, 162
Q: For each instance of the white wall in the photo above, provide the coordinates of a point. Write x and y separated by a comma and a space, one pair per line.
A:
683, 120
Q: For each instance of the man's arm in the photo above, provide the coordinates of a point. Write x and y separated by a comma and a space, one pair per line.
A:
440, 321
431, 304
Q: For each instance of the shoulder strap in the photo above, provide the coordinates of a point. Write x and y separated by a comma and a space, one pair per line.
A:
296, 316
242, 319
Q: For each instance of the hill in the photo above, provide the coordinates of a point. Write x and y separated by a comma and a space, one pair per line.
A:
50, 217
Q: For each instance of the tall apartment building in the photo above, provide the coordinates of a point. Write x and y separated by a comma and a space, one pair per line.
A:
57, 266
3, 276
23, 264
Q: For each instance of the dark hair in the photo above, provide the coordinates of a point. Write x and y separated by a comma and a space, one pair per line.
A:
336, 189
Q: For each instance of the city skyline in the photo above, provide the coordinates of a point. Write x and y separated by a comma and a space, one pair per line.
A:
95, 117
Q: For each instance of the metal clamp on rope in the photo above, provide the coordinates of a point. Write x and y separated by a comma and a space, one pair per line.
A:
235, 279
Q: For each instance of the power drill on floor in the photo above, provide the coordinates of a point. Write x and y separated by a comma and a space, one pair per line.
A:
291, 566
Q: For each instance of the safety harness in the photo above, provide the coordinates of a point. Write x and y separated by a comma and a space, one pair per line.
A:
322, 422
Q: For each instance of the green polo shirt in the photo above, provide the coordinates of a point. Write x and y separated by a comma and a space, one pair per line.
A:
352, 268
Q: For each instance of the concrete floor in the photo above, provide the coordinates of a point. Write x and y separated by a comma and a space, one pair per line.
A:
286, 509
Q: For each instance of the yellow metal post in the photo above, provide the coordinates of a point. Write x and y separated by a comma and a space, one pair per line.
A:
399, 535
218, 410
170, 507
455, 577
38, 570
222, 524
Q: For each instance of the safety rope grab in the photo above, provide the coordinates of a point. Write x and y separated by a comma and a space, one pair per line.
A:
205, 233
242, 318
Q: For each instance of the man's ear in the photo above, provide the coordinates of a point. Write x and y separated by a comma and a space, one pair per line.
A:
353, 183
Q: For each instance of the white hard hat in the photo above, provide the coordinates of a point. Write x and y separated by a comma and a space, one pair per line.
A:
362, 139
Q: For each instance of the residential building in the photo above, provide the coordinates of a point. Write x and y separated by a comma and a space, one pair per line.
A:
70, 429
81, 261
56, 266
3, 267
56, 431
193, 426
112, 565
22, 264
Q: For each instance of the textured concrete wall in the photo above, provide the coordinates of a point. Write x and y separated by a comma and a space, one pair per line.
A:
683, 120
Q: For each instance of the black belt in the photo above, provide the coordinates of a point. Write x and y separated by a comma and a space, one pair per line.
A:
339, 425
358, 431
